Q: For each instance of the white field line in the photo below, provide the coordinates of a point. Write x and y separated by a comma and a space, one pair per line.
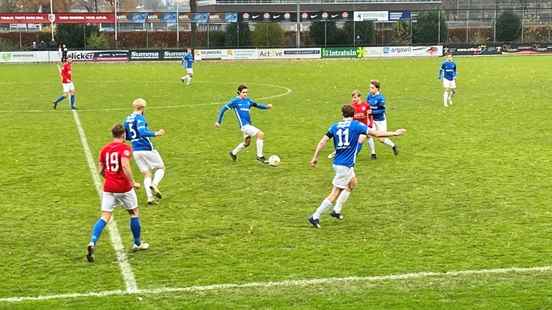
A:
285, 283
153, 107
126, 269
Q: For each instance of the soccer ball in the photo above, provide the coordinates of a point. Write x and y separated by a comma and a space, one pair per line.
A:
274, 160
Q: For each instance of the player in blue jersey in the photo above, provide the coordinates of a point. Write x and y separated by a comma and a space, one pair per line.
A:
187, 62
146, 156
241, 106
376, 100
348, 136
447, 74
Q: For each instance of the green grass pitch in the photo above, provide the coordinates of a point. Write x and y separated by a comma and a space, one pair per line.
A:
470, 189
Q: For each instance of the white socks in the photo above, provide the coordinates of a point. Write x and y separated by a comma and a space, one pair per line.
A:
388, 141
372, 145
451, 94
147, 184
260, 143
238, 148
446, 98
323, 206
189, 78
341, 200
158, 176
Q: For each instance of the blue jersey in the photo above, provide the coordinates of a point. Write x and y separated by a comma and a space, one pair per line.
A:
377, 104
241, 108
137, 132
448, 70
187, 60
345, 136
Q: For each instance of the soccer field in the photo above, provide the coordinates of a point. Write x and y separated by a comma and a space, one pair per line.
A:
469, 193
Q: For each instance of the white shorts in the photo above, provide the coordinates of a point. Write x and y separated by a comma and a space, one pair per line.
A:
111, 200
343, 175
67, 87
148, 160
189, 70
381, 125
250, 131
449, 84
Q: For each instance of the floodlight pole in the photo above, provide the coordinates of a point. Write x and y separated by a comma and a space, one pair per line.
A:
51, 19
177, 25
116, 21
298, 36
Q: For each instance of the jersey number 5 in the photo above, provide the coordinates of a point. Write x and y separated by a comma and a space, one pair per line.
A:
131, 130
112, 161
343, 137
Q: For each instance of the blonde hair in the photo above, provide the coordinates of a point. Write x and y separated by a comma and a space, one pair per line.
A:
138, 103
357, 93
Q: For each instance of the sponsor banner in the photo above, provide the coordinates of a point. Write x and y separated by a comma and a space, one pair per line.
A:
84, 56
380, 16
172, 55
345, 52
399, 15
111, 56
231, 17
200, 18
24, 18
243, 54
436, 50
59, 18
169, 18
373, 52
301, 53
211, 54
397, 51
145, 55
474, 50
84, 18
36, 56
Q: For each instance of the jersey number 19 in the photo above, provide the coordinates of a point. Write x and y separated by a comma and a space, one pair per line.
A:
112, 162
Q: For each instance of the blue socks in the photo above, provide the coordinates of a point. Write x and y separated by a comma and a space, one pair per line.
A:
97, 230
58, 100
135, 227
73, 101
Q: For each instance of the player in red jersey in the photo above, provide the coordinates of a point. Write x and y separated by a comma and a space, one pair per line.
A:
363, 114
66, 73
114, 163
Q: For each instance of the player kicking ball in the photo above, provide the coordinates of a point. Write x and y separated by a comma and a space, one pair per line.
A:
447, 74
241, 105
118, 188
376, 100
348, 136
66, 73
146, 156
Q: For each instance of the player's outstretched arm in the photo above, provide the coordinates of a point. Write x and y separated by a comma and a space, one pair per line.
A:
319, 148
125, 162
385, 134
261, 106
220, 116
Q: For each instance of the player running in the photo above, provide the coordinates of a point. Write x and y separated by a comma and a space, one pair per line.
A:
376, 100
363, 114
447, 73
114, 164
347, 135
187, 62
147, 158
241, 106
66, 73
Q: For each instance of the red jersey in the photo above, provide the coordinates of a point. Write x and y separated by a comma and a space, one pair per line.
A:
66, 72
362, 113
111, 155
